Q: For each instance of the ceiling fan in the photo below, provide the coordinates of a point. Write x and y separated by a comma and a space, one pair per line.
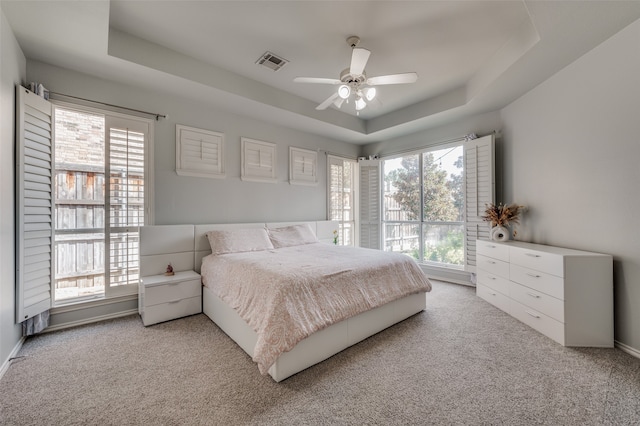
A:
354, 82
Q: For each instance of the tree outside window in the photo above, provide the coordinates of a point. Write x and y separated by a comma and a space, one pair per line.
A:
423, 203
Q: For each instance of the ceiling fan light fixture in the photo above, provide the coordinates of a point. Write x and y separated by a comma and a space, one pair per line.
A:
344, 91
360, 104
370, 93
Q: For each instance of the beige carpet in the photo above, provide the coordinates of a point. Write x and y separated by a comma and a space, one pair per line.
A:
460, 362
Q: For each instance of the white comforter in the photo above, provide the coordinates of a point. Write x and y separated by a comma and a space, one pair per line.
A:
287, 294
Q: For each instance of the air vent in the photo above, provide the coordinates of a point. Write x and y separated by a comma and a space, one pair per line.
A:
271, 61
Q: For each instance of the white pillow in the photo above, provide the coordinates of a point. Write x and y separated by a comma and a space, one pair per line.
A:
239, 240
294, 235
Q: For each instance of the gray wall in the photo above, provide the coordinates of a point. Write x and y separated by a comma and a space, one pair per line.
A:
180, 199
12, 72
480, 124
572, 155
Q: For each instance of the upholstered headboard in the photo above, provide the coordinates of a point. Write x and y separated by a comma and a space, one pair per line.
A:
184, 246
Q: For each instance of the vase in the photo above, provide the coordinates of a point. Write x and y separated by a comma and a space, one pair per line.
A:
499, 233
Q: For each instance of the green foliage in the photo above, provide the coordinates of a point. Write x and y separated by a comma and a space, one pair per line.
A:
442, 194
443, 202
449, 251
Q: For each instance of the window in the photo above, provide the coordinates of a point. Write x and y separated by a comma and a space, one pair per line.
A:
423, 206
100, 193
340, 197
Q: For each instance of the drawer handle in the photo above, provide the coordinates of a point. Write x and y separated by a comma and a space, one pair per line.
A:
532, 255
491, 278
492, 293
532, 275
175, 301
491, 246
491, 262
533, 314
533, 295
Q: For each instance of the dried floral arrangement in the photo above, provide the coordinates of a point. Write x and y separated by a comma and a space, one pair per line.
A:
502, 214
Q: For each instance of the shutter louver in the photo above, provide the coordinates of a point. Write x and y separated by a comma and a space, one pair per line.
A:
126, 204
34, 205
479, 191
370, 217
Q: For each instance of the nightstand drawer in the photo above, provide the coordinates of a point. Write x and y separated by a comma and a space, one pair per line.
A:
545, 283
172, 310
491, 249
493, 281
493, 266
538, 321
540, 261
539, 301
157, 294
496, 298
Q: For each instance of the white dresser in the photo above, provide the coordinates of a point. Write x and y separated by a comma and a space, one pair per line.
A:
565, 294
163, 298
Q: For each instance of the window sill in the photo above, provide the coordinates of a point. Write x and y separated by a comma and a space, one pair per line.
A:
448, 274
91, 303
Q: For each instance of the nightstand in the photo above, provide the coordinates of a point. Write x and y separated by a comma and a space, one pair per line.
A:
163, 298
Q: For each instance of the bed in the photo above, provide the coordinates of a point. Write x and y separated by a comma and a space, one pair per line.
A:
315, 336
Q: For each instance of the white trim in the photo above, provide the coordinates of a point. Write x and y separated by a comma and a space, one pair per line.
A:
88, 304
7, 363
91, 320
626, 348
450, 275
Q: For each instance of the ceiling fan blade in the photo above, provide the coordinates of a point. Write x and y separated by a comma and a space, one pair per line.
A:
316, 80
327, 102
407, 77
359, 58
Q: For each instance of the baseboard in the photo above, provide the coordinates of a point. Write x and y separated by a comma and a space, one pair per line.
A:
5, 365
628, 349
90, 320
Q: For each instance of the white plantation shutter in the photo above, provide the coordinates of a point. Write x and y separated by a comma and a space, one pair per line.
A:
126, 201
258, 161
199, 152
370, 210
340, 193
303, 166
479, 180
34, 205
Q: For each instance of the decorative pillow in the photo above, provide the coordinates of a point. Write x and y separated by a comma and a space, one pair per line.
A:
294, 235
239, 240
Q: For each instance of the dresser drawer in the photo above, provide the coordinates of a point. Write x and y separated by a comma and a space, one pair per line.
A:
548, 263
539, 301
538, 321
491, 249
172, 310
545, 283
493, 281
171, 292
496, 298
493, 266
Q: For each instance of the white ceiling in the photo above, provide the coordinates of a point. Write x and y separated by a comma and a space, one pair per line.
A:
470, 56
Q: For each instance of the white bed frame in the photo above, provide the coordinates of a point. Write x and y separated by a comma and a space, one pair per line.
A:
184, 246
